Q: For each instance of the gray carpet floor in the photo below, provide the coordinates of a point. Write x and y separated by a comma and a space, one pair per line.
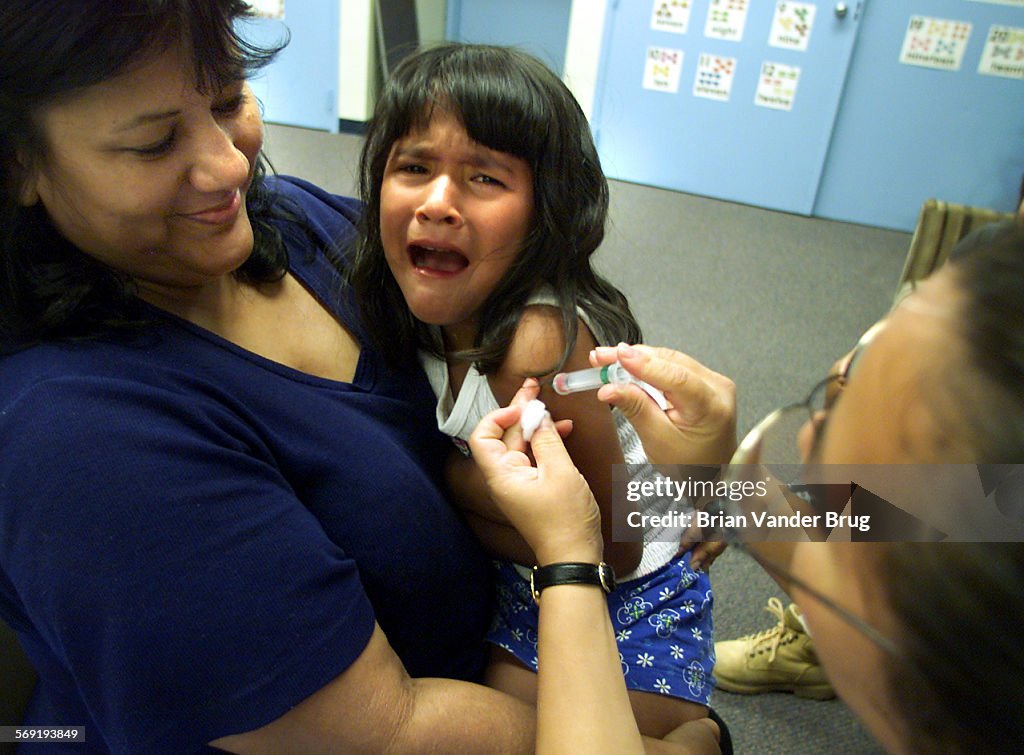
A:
767, 298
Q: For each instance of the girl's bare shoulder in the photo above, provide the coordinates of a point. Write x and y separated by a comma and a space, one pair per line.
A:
537, 349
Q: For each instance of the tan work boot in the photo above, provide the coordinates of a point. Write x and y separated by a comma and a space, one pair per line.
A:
780, 659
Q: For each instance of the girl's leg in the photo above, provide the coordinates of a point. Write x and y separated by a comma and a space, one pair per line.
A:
656, 715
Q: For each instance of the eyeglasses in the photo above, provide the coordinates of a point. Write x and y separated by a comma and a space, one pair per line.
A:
779, 444
783, 440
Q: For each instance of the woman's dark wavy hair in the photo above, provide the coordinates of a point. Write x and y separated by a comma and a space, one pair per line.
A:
511, 102
49, 289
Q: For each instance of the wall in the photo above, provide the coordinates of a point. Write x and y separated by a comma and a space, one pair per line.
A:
583, 50
357, 61
903, 133
432, 20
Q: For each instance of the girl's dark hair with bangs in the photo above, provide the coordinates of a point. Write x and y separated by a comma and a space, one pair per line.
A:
511, 102
49, 289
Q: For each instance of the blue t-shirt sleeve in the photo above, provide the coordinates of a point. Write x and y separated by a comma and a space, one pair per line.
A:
206, 575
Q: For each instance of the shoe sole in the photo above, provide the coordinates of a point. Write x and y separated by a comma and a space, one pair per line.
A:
807, 691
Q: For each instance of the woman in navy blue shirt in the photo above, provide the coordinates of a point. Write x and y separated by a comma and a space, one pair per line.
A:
215, 503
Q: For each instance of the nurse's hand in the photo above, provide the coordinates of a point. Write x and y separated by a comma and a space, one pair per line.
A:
700, 425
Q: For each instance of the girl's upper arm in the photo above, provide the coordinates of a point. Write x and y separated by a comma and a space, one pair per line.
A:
593, 443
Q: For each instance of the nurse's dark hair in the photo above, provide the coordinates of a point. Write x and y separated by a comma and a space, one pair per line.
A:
511, 102
960, 606
959, 685
989, 265
52, 48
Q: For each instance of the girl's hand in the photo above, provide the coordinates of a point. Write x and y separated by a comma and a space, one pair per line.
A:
700, 425
550, 503
704, 554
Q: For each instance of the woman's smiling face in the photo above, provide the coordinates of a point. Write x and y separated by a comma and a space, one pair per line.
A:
148, 175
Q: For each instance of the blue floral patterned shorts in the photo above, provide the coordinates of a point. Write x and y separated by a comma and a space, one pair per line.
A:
662, 624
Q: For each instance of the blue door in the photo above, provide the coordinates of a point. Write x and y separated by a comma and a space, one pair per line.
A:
907, 133
733, 99
300, 88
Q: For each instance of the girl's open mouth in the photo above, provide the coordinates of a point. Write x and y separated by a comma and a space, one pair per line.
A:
437, 260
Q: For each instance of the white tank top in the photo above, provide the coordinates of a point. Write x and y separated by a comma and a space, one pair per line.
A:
458, 416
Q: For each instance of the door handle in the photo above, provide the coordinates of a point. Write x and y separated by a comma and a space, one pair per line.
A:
841, 10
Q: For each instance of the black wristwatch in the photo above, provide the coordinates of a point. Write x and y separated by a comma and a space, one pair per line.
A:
600, 574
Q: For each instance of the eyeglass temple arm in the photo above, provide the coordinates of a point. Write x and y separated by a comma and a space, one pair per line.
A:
773, 552
785, 578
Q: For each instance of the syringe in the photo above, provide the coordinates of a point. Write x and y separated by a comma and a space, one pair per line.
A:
565, 383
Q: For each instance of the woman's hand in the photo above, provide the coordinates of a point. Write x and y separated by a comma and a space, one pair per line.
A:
700, 425
470, 493
550, 503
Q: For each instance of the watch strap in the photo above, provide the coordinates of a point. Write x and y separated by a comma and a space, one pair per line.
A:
571, 573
